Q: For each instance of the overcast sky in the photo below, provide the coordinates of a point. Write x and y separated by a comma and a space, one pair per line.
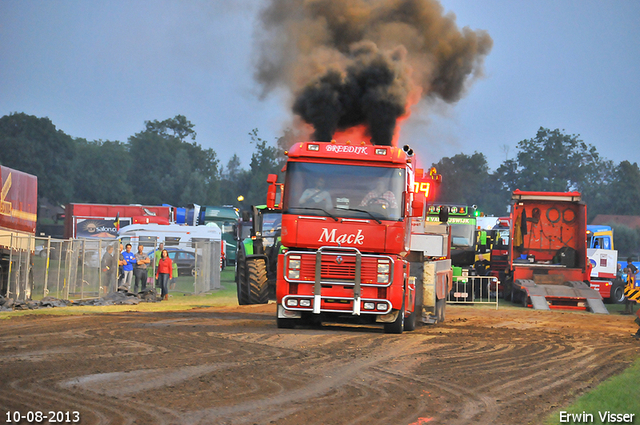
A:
99, 70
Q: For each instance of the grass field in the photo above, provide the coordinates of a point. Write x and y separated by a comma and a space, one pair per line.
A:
618, 395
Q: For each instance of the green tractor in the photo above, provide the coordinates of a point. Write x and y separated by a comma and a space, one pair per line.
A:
258, 235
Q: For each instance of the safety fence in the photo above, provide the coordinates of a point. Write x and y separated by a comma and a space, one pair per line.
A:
473, 289
88, 268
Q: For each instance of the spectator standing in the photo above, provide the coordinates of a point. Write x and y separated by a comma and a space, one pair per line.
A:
127, 267
108, 265
164, 272
140, 269
121, 264
481, 266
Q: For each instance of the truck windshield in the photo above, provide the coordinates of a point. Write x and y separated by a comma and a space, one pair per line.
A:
348, 191
271, 225
462, 235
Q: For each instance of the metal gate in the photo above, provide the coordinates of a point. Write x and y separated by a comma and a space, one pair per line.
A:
473, 290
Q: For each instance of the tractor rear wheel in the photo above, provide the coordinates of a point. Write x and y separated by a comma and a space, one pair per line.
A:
257, 280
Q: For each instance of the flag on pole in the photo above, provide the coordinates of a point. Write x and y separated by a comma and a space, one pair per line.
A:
117, 222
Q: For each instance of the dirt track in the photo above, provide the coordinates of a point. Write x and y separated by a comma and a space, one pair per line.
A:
233, 366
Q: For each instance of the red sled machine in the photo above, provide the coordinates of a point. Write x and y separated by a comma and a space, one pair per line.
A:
548, 264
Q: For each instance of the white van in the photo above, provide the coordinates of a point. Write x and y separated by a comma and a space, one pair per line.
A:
173, 236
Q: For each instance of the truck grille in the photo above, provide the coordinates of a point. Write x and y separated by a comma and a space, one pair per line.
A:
339, 268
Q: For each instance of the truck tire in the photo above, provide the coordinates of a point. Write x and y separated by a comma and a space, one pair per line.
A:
257, 280
282, 323
411, 320
241, 278
507, 289
397, 326
286, 323
441, 306
617, 292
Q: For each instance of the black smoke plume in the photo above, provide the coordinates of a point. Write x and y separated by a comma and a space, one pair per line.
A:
365, 62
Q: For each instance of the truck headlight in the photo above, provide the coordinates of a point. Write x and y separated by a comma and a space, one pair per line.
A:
294, 274
305, 303
383, 267
292, 302
294, 263
383, 271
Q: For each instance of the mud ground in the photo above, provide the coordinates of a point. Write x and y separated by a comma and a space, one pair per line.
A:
233, 366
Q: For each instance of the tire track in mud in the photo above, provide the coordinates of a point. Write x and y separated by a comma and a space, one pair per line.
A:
328, 383
238, 368
536, 369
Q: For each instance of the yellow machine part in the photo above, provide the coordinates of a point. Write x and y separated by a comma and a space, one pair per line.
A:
631, 291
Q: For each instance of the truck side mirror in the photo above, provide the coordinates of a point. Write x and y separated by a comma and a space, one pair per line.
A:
271, 196
417, 208
274, 193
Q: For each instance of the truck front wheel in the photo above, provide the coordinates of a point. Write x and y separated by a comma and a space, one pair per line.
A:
413, 318
397, 326
441, 305
284, 323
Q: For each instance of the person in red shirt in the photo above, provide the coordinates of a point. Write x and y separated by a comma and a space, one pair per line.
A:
164, 273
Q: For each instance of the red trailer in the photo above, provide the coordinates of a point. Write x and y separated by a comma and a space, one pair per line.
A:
18, 215
104, 220
548, 264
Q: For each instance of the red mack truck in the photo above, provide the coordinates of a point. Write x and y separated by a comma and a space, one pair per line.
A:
18, 215
357, 245
548, 264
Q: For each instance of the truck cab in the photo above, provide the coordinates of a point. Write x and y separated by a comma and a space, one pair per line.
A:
603, 259
226, 218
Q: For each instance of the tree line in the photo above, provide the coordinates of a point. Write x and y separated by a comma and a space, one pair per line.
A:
163, 163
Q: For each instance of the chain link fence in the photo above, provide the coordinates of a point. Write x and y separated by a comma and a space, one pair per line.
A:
77, 269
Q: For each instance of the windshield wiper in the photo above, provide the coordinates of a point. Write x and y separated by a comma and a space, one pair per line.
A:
317, 209
365, 211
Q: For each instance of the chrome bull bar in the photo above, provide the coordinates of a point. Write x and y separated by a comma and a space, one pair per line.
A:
317, 288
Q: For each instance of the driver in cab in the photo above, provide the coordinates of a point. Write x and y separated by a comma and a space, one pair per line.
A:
317, 196
381, 195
